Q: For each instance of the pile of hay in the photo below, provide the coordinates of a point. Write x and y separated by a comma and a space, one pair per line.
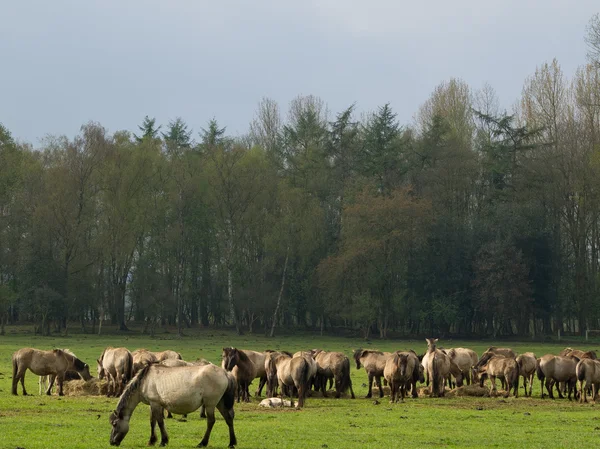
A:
93, 387
386, 391
469, 390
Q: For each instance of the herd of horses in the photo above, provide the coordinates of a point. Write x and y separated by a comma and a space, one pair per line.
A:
166, 382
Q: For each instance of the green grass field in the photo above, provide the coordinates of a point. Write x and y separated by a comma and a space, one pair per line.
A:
42, 422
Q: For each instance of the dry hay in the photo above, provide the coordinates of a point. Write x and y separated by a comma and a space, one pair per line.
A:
386, 391
469, 390
92, 387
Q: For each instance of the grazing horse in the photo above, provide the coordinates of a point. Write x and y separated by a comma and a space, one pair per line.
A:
141, 358
588, 370
333, 365
182, 389
503, 367
374, 363
555, 369
438, 367
527, 363
293, 372
167, 355
43, 363
242, 368
179, 362
69, 375
116, 365
402, 370
465, 359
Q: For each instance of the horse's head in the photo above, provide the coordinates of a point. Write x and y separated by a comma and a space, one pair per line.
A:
357, 356
421, 373
120, 427
431, 343
230, 358
82, 368
403, 364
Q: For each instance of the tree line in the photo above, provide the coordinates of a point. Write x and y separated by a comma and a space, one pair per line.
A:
469, 221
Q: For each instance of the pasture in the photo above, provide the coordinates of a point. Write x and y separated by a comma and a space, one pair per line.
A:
40, 422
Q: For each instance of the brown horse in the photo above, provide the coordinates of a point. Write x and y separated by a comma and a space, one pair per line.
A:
506, 352
43, 363
293, 372
555, 369
402, 370
374, 363
333, 365
242, 368
142, 358
167, 355
578, 353
116, 365
465, 359
438, 367
588, 370
271, 371
503, 367
183, 389
527, 363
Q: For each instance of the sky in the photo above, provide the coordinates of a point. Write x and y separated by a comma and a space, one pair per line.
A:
64, 63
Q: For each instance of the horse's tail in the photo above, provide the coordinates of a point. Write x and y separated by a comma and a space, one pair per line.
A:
229, 395
580, 370
15, 367
304, 378
538, 370
344, 380
128, 371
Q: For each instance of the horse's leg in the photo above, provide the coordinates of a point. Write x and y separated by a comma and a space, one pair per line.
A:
550, 388
351, 390
378, 380
263, 381
164, 437
531, 384
50, 385
560, 395
582, 392
370, 393
508, 385
60, 380
228, 415
493, 382
153, 411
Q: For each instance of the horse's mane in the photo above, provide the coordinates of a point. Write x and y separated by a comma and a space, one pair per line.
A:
131, 388
287, 353
243, 357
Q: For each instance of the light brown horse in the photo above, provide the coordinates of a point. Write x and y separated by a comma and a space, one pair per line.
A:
44, 381
588, 370
181, 389
43, 363
402, 370
374, 363
465, 359
439, 367
242, 368
555, 369
258, 358
293, 372
502, 367
333, 365
167, 355
141, 358
116, 365
578, 353
506, 352
527, 363
271, 371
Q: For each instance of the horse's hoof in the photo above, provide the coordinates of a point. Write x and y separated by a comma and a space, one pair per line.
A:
201, 444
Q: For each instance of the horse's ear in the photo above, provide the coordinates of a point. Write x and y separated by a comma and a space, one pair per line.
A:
99, 362
112, 418
435, 340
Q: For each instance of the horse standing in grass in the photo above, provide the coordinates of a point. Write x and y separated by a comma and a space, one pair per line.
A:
333, 365
374, 363
242, 368
258, 358
588, 370
141, 358
69, 375
181, 389
506, 368
292, 372
438, 367
116, 365
402, 370
555, 369
527, 363
43, 363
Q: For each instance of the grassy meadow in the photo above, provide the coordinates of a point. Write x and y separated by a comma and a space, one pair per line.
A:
41, 422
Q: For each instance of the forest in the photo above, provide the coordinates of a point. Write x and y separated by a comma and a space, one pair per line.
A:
470, 221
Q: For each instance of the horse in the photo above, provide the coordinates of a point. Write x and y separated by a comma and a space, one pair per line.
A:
293, 372
506, 352
313, 367
374, 363
588, 370
439, 366
527, 363
141, 358
55, 363
182, 389
242, 368
492, 351
167, 355
271, 371
44, 381
401, 371
556, 368
465, 359
503, 367
179, 362
333, 365
578, 353
116, 365
258, 358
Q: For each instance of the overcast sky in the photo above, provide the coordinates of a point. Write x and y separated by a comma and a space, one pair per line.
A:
64, 63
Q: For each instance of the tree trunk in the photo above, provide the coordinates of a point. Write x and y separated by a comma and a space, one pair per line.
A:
277, 307
231, 302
